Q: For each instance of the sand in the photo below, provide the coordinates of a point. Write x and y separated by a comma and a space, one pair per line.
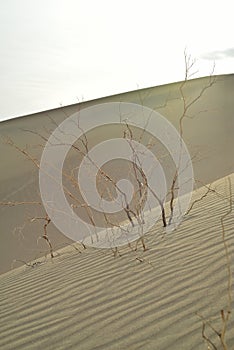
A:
139, 300
208, 135
91, 299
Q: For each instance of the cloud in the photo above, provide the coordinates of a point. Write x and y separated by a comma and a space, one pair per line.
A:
219, 54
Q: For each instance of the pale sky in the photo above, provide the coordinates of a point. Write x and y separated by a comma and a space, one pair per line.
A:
56, 52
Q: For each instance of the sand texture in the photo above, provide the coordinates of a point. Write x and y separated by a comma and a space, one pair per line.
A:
98, 299
139, 300
208, 133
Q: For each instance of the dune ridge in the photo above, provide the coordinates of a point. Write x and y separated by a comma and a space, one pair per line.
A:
139, 300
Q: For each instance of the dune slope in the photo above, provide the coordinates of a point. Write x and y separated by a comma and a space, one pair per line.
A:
139, 300
208, 134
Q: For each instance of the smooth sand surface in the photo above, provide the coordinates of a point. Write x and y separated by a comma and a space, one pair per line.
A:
208, 134
139, 300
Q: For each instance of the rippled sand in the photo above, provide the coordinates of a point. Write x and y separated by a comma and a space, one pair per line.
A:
139, 300
89, 299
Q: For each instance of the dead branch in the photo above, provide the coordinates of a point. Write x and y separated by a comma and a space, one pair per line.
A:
13, 204
34, 264
225, 314
189, 64
209, 190
45, 235
207, 339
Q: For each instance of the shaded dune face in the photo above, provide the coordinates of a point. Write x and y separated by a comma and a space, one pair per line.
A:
208, 134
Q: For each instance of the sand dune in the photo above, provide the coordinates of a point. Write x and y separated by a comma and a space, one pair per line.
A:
139, 300
90, 299
208, 135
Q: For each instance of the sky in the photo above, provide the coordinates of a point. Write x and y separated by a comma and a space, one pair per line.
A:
58, 52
